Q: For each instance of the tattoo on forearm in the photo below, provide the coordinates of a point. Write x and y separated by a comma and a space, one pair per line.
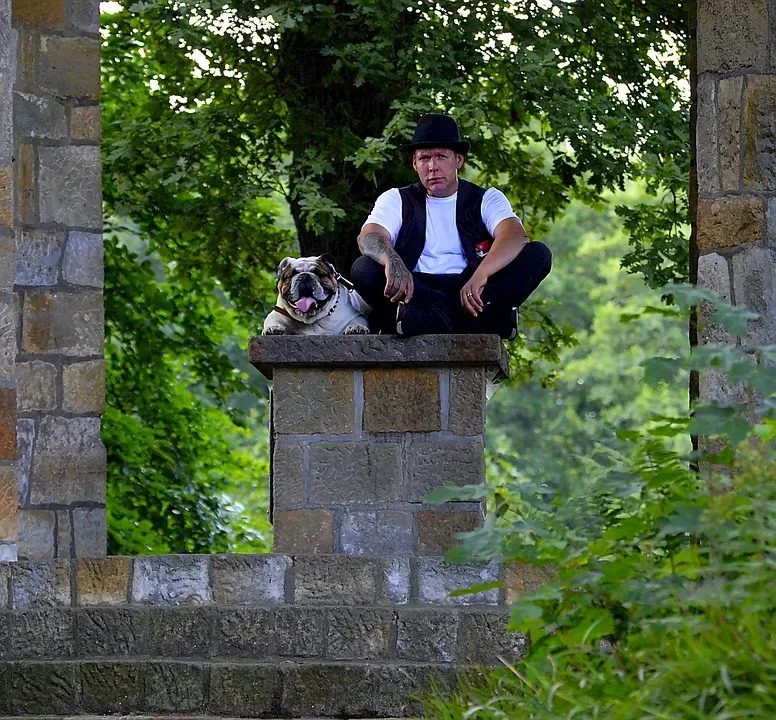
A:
376, 246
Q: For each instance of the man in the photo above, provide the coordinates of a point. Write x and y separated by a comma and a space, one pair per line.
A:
445, 255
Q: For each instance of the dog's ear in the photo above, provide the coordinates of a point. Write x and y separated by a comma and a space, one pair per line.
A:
283, 264
329, 260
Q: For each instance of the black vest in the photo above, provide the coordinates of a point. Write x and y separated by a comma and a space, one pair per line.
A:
468, 219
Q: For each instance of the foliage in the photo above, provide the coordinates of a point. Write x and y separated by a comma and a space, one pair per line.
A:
660, 601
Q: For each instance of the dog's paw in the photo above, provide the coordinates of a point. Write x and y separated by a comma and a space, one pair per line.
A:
274, 330
356, 329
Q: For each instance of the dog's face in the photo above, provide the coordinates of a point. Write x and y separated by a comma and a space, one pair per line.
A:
307, 286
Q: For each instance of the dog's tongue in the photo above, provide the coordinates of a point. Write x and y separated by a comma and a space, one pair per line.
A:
305, 303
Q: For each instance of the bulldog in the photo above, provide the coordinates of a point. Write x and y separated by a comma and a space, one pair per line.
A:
313, 301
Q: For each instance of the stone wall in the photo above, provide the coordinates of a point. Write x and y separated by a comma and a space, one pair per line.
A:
51, 309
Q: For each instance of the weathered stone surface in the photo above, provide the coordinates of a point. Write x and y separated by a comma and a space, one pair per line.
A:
355, 472
299, 632
110, 687
396, 688
40, 584
84, 15
431, 465
326, 691
729, 103
244, 690
520, 579
171, 580
64, 535
313, 401
174, 687
395, 587
5, 642
70, 186
707, 136
45, 14
36, 385
755, 289
377, 532
287, 474
759, 129
437, 529
111, 632
29, 46
732, 35
7, 337
7, 424
63, 323
9, 499
334, 579
86, 121
25, 440
6, 196
91, 532
102, 581
437, 579
713, 274
243, 633
302, 532
288, 351
7, 551
83, 261
43, 688
36, 533
359, 634
38, 116
37, 257
6, 94
485, 641
27, 187
427, 636
247, 579
401, 400
180, 632
70, 66
5, 574
83, 387
7, 261
730, 221
467, 401
43, 634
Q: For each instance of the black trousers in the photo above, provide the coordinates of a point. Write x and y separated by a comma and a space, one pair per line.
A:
437, 296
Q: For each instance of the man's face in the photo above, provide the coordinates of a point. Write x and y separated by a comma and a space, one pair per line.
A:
438, 169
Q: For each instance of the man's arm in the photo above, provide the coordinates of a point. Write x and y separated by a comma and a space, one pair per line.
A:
375, 243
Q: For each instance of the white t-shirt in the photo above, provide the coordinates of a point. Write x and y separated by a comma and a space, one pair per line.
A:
443, 253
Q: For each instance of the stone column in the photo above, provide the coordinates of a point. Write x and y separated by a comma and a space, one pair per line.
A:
364, 427
59, 367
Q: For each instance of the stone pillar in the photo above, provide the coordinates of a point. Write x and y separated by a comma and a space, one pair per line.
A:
364, 427
736, 166
58, 274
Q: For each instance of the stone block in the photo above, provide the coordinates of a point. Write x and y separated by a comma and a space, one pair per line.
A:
64, 547
44, 14
36, 386
6, 196
102, 581
246, 632
359, 633
729, 103
7, 424
86, 120
730, 221
83, 261
7, 551
91, 532
111, 632
43, 634
431, 465
83, 387
180, 632
437, 579
377, 532
70, 66
36, 533
437, 529
69, 183
37, 257
6, 100
84, 15
303, 532
312, 690
396, 688
755, 289
759, 130
707, 136
7, 337
110, 687
7, 261
25, 440
38, 116
305, 402
732, 36
248, 579
244, 690
287, 475
26, 179
395, 575
171, 580
713, 274
9, 500
43, 688
299, 632
29, 50
5, 642
467, 401
174, 687
63, 323
427, 636
355, 472
5, 577
40, 583
520, 579
484, 639
334, 579
5, 707
401, 400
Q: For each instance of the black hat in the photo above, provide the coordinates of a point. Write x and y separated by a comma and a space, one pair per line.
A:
438, 131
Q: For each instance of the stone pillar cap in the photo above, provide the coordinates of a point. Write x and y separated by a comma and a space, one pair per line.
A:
274, 351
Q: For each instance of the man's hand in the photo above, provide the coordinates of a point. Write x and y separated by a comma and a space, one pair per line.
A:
398, 280
471, 294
